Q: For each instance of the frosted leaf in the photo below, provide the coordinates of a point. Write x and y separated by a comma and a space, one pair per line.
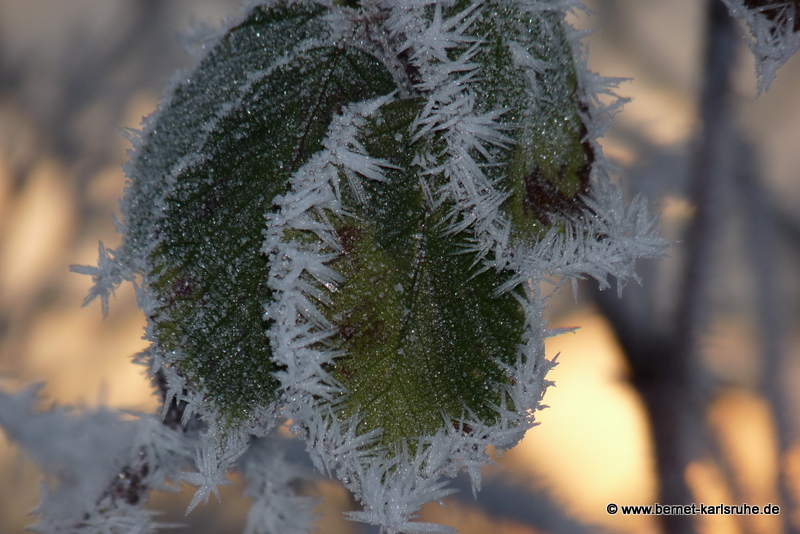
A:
499, 185
182, 122
410, 338
409, 357
773, 28
342, 217
204, 271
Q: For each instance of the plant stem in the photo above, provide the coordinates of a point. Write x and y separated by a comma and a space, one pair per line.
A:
771, 313
666, 369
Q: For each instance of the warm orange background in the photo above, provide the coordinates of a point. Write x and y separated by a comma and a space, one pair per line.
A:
72, 72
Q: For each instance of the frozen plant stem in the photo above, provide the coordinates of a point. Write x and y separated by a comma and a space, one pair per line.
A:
712, 175
684, 401
771, 311
666, 367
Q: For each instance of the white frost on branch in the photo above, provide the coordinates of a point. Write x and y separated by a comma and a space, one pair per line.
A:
271, 479
772, 34
99, 466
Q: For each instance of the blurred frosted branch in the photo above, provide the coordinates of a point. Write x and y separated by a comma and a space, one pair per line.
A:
711, 175
683, 391
666, 369
100, 466
504, 499
771, 313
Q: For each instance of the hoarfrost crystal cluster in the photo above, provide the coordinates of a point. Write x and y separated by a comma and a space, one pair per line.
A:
773, 33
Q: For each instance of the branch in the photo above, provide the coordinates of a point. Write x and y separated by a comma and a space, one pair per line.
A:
770, 311
665, 365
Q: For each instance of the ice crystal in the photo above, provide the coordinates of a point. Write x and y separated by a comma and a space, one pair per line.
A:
773, 33
271, 477
107, 276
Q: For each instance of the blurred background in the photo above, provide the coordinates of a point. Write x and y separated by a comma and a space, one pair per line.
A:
686, 384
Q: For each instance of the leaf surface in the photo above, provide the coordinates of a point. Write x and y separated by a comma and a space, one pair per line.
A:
420, 326
207, 270
528, 69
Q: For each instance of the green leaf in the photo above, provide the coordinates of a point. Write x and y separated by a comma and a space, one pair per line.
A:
528, 68
251, 123
176, 133
419, 324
